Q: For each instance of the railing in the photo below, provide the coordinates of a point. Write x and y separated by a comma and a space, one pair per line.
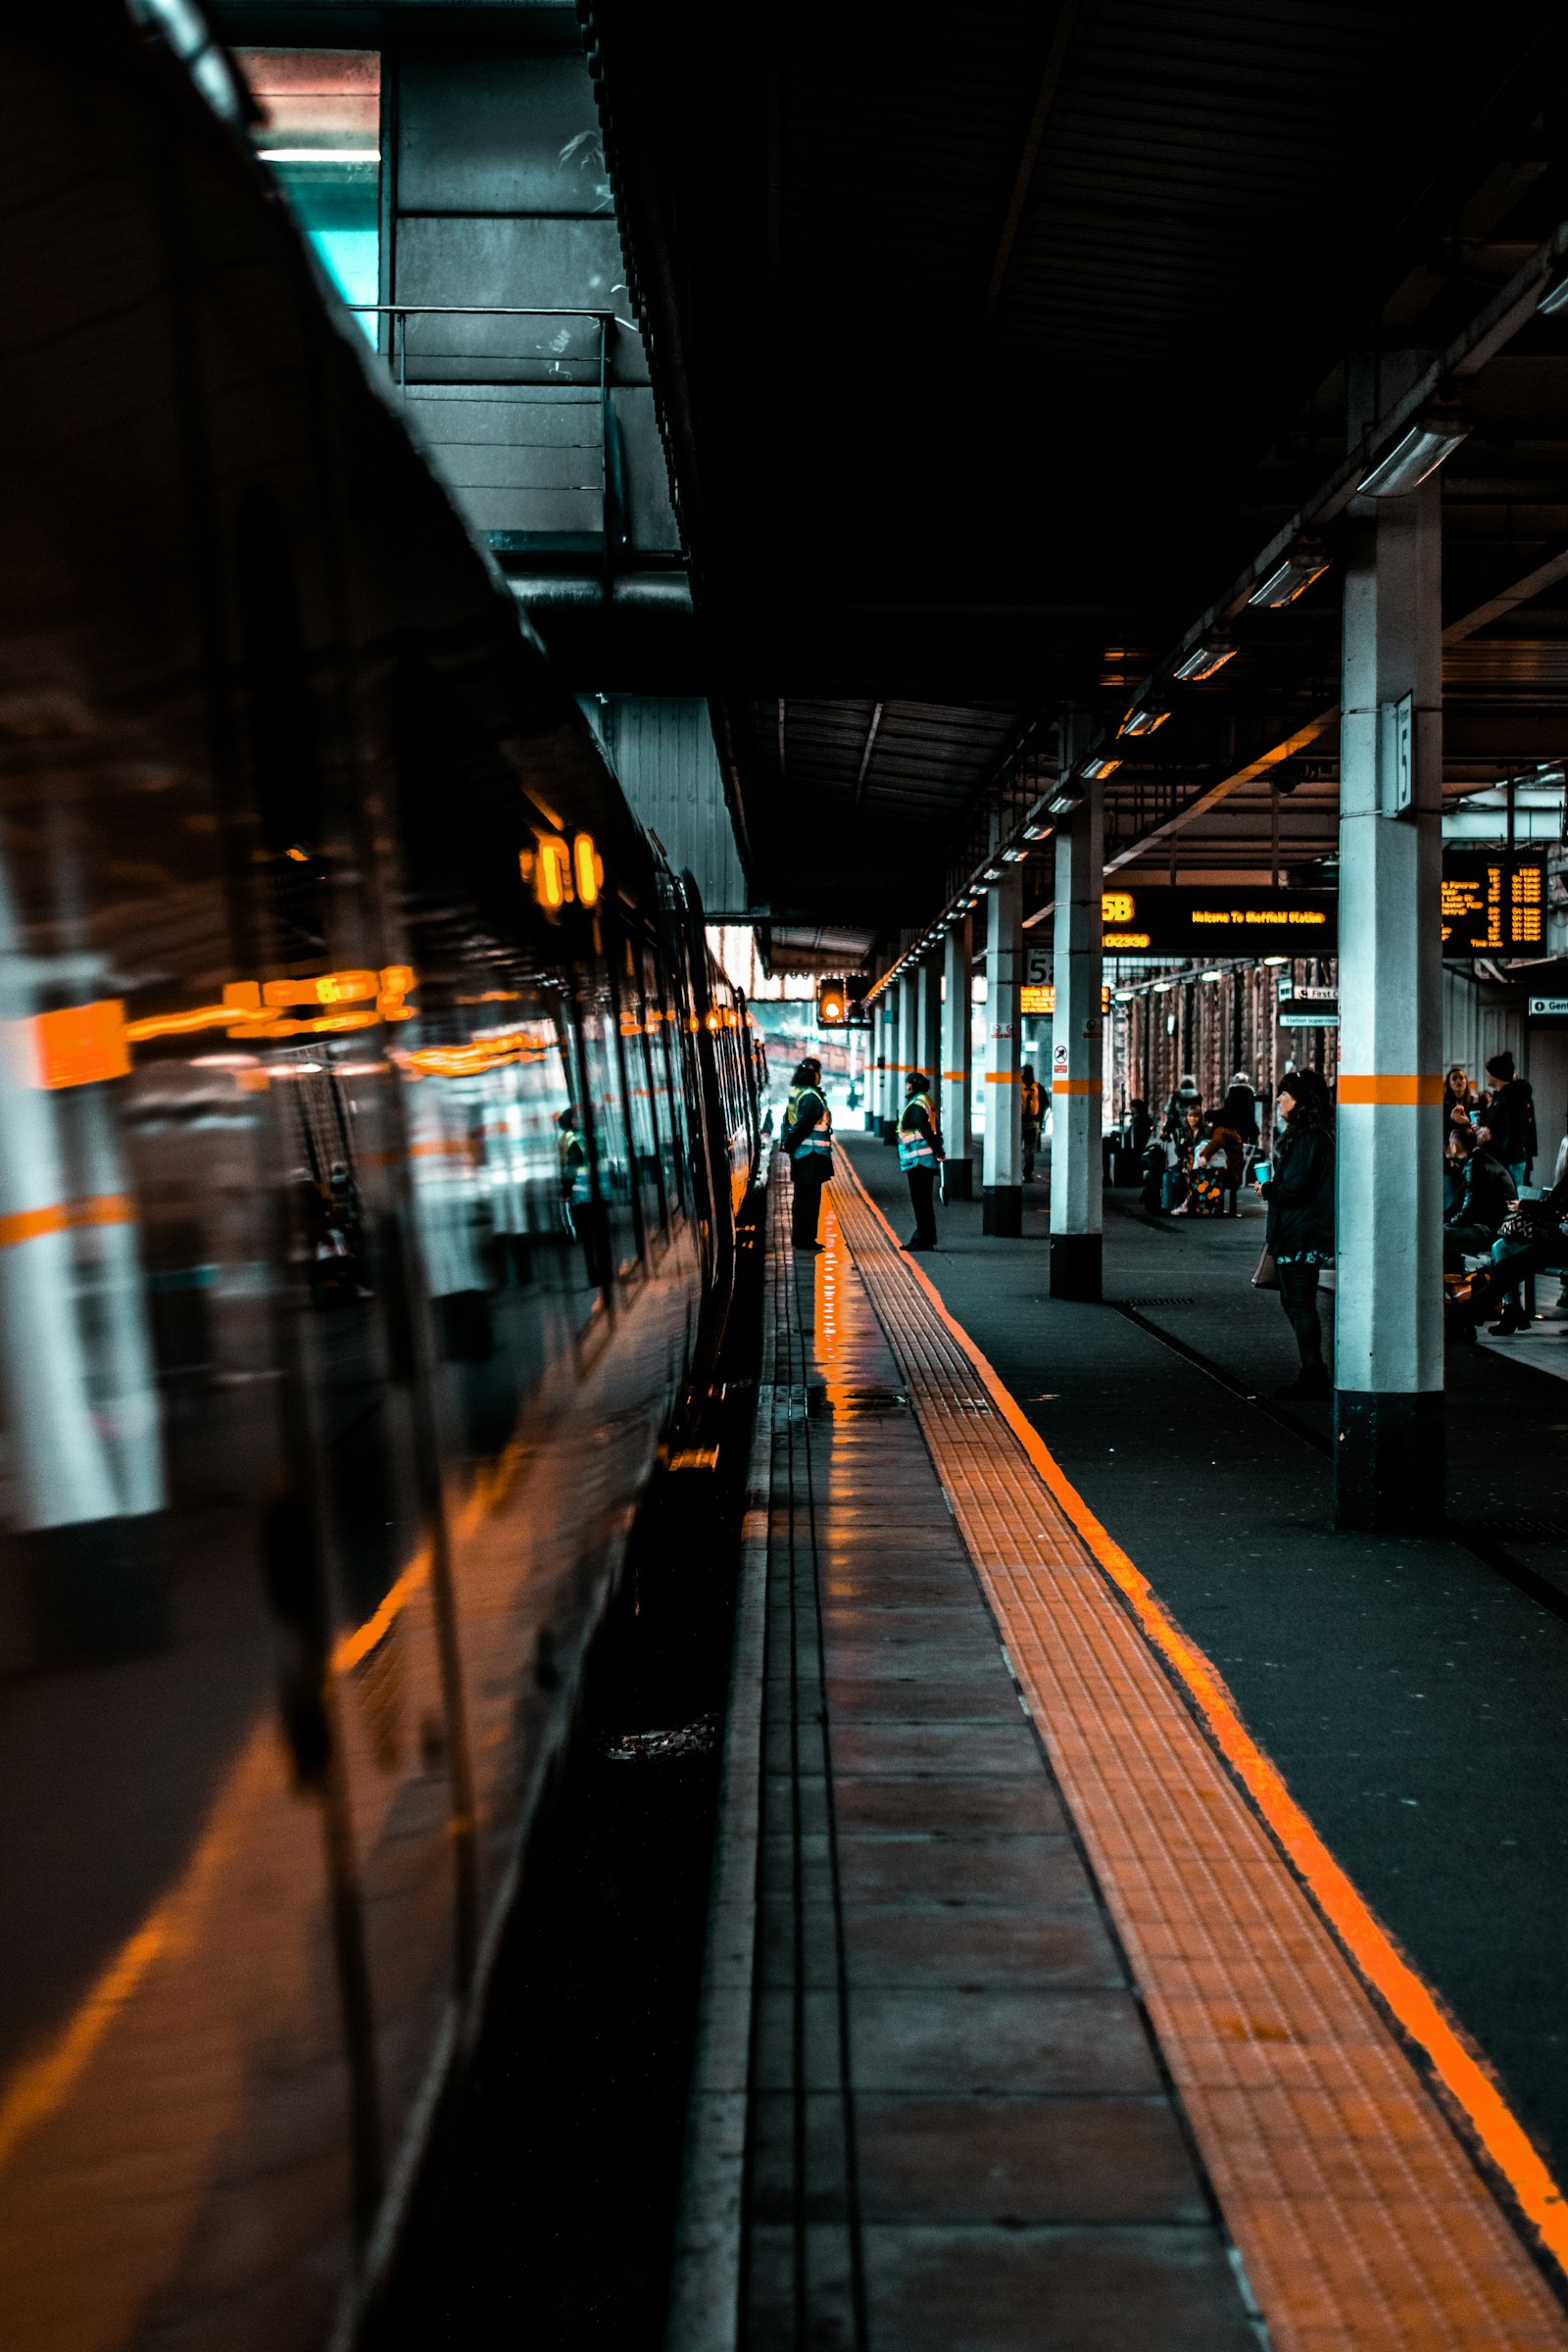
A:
516, 381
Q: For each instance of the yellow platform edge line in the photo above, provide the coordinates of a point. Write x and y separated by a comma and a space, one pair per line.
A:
1463, 2074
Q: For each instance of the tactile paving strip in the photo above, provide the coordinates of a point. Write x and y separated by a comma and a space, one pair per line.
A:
1361, 2221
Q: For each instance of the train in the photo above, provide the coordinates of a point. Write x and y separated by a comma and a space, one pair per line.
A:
374, 1129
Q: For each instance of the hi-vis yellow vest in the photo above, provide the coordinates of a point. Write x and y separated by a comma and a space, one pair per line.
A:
819, 1142
917, 1151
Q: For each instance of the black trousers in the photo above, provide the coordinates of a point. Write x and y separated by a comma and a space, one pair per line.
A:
1298, 1298
923, 1198
806, 1204
1465, 1240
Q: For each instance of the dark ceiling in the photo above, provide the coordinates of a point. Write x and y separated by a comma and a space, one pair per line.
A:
995, 342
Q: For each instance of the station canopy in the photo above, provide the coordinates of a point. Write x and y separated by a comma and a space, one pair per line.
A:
1005, 351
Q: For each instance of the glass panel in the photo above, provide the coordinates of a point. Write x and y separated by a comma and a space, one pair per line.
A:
605, 1120
322, 134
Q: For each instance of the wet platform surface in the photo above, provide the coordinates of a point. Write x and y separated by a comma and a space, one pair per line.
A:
960, 2130
1044, 2043
1411, 1692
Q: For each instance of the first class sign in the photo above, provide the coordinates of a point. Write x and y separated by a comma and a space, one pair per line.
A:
1167, 921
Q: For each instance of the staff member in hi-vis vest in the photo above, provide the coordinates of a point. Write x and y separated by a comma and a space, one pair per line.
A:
807, 1142
919, 1157
1030, 1103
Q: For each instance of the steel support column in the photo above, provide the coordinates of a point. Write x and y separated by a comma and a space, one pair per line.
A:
1077, 1052
957, 1039
1002, 1208
1388, 1456
928, 1020
887, 1033
908, 1015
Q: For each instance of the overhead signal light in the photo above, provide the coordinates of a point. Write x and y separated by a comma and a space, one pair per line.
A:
1305, 563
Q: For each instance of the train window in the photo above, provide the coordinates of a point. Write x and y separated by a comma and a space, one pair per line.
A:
637, 1015
286, 773
663, 1056
604, 1123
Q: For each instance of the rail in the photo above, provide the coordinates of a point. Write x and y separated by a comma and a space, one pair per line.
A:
498, 356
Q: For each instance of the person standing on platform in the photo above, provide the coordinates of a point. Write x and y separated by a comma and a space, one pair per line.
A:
1300, 1192
1510, 1118
1239, 1110
1029, 1101
920, 1155
807, 1142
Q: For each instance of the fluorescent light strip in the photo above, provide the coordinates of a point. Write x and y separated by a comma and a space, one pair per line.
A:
319, 155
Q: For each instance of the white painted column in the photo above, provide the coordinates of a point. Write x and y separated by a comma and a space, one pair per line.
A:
956, 1049
1388, 1455
887, 1033
1077, 1054
906, 1043
928, 1020
1002, 1171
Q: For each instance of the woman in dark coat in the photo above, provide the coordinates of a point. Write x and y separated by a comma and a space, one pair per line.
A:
1300, 1192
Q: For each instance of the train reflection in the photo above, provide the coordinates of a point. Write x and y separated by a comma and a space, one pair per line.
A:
332, 1370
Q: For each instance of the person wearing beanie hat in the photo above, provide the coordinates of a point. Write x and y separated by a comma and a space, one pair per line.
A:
919, 1157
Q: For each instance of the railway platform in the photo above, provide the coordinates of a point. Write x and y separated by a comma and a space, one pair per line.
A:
1039, 2008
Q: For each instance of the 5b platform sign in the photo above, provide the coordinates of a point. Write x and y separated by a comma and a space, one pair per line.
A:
1231, 922
1493, 904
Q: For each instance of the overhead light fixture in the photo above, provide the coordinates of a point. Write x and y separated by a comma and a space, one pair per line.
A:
1305, 563
1064, 800
1102, 765
1204, 660
1213, 975
1272, 960
993, 873
1434, 436
1554, 299
1038, 825
1014, 856
1144, 717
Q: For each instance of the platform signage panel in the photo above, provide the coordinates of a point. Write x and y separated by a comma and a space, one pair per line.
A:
1493, 904
1246, 921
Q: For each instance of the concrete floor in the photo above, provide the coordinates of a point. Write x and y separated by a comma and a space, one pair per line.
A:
961, 2131
1412, 1696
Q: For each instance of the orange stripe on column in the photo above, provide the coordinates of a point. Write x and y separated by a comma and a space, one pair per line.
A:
1000, 1078
103, 1209
1390, 1085
1076, 1086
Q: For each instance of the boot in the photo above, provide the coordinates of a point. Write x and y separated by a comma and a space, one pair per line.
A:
1510, 1321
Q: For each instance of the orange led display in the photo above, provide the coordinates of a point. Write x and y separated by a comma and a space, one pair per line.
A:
82, 1045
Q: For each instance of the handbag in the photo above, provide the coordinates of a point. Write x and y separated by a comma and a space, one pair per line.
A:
1267, 1274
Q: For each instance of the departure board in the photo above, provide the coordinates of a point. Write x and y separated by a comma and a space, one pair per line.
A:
1493, 904
1230, 920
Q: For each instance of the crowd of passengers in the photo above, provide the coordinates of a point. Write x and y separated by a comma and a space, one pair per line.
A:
1196, 1161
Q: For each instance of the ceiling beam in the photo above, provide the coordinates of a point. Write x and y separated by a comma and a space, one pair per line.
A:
870, 746
1046, 99
1546, 575
1213, 795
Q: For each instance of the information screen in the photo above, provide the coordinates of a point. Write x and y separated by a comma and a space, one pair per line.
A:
1493, 904
1165, 921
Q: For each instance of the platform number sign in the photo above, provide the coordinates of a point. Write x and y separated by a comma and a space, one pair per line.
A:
1037, 995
